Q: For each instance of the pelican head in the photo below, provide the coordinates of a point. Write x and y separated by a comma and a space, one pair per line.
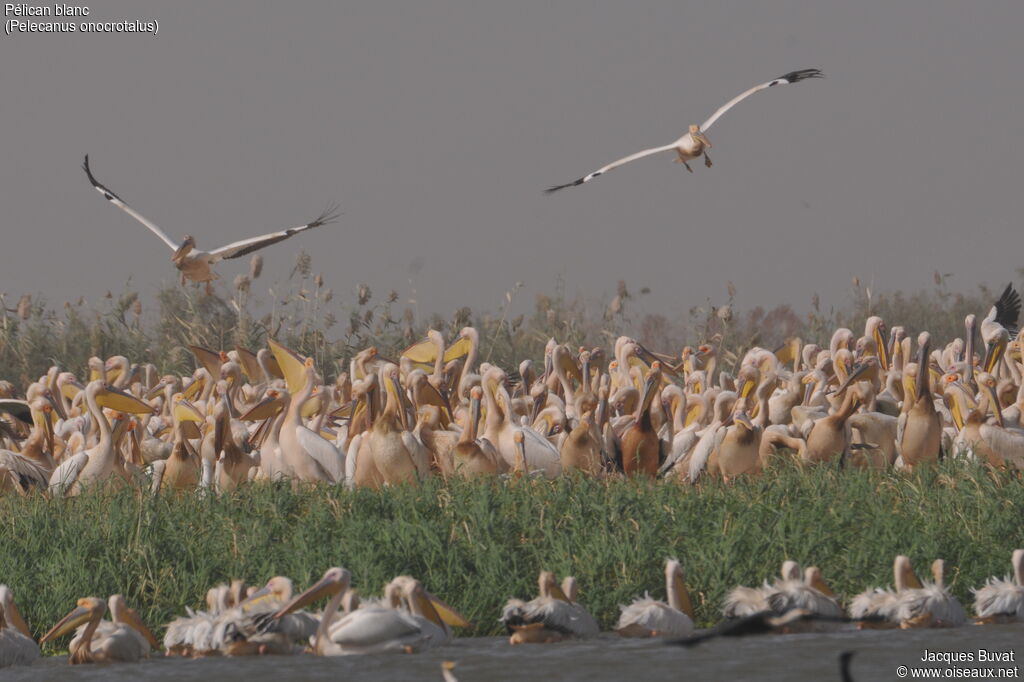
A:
187, 244
549, 587
278, 589
335, 580
9, 612
696, 134
87, 609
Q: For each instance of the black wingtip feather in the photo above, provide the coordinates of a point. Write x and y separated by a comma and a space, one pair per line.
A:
96, 183
1008, 309
328, 216
550, 190
802, 74
88, 172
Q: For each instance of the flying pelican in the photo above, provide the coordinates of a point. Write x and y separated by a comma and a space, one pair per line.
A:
651, 618
16, 644
692, 145
194, 264
1002, 600
126, 639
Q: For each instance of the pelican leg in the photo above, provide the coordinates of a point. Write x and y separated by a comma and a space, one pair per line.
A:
682, 159
707, 160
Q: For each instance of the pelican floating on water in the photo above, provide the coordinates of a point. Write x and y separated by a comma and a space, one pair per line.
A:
16, 644
194, 264
548, 618
651, 618
124, 639
694, 143
1001, 600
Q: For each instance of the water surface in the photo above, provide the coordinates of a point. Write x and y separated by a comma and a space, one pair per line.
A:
785, 658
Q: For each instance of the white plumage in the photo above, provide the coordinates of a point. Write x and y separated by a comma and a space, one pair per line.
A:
692, 144
1002, 599
648, 617
16, 644
551, 610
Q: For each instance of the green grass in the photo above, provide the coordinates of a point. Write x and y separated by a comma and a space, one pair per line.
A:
477, 543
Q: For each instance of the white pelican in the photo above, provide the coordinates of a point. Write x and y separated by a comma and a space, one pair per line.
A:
811, 594
243, 630
194, 264
651, 618
549, 617
931, 606
746, 601
1001, 600
125, 639
16, 644
880, 608
998, 326
372, 628
98, 464
692, 145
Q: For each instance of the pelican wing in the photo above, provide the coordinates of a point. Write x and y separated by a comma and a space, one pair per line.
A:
325, 454
375, 628
19, 409
247, 246
119, 202
1008, 309
999, 596
65, 475
791, 77
614, 164
28, 473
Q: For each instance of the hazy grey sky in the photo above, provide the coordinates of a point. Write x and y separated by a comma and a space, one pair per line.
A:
437, 124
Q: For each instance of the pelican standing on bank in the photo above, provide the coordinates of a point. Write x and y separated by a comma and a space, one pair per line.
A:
694, 143
193, 263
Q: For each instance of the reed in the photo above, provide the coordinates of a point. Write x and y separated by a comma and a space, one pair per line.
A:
305, 314
477, 543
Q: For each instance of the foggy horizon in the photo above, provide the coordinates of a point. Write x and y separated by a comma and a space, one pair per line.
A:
437, 126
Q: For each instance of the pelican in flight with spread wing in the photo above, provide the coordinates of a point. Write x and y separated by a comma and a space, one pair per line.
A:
693, 144
193, 263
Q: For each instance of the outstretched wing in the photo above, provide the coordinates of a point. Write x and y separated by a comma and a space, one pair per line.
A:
792, 77
247, 246
119, 202
1008, 309
613, 164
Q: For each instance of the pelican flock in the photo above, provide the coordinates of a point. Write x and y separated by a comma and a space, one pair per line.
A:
879, 400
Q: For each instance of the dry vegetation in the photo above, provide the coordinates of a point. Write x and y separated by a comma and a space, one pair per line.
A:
305, 314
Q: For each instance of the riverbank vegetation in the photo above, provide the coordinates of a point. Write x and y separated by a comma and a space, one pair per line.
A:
475, 544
